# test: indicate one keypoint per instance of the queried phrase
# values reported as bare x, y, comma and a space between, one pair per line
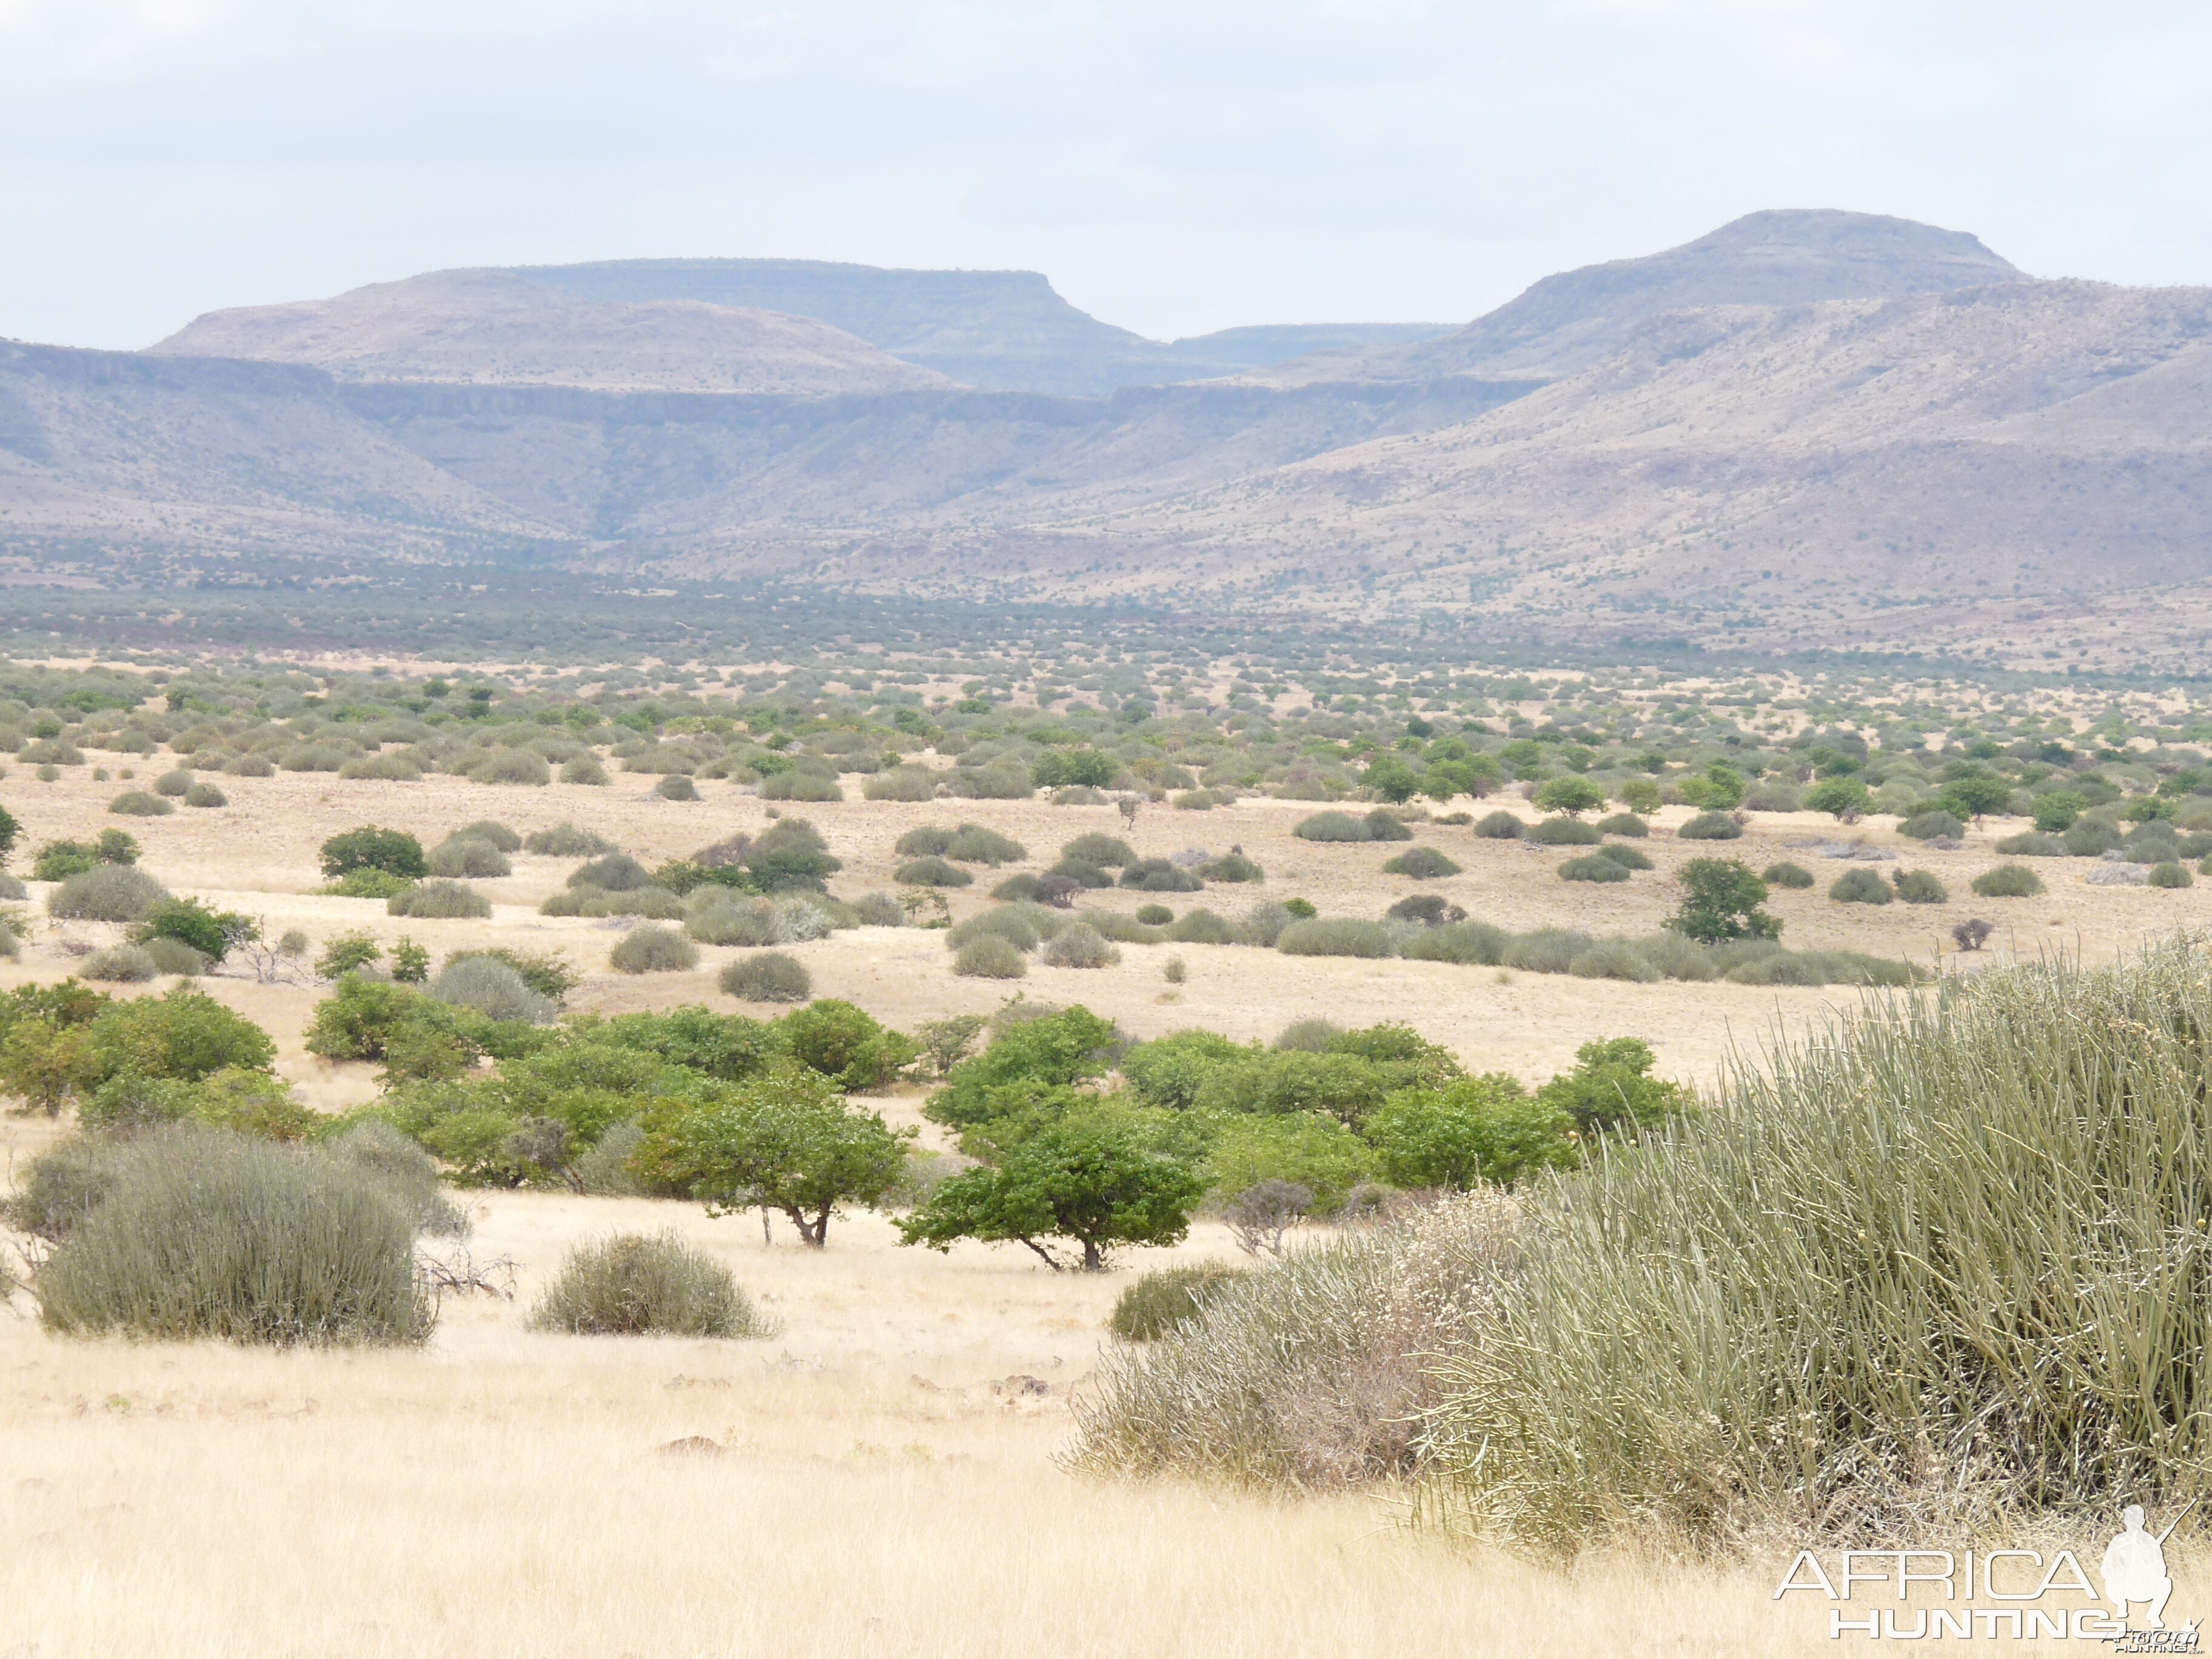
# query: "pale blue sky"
1173, 167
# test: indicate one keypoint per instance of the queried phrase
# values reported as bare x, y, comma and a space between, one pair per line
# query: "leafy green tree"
186, 1034
785, 1141
1059, 769
213, 933
2056, 811
1302, 1148
392, 851
1168, 1072
1840, 798
1479, 1129
1057, 1052
1640, 796
1722, 789
1088, 1178
791, 856
10, 833
1471, 775
410, 963
1721, 900
1973, 795
847, 1044
1612, 1089
1391, 779
1570, 795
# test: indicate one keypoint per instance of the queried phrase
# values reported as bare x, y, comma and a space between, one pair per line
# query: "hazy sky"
1173, 167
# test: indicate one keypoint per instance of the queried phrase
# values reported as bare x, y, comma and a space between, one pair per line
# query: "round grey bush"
1421, 863
1332, 826
972, 843
1011, 922
1628, 858
1309, 1036
653, 949
382, 769
923, 840
615, 872
438, 899
1079, 946
1563, 832
674, 786
768, 976
796, 786
249, 766
901, 783
139, 803
2009, 881
1500, 825
932, 871
1202, 927
584, 769
1711, 826
10, 888
11, 946
879, 910
172, 783
988, 956
1921, 887
1613, 961
1786, 875
2172, 873
174, 956
564, 841
1326, 936
1934, 825
1546, 951
469, 857
634, 1285
491, 832
107, 892
493, 989
1781, 969
1596, 867
1625, 824
1860, 887
215, 1235
717, 915
518, 766
124, 964
205, 795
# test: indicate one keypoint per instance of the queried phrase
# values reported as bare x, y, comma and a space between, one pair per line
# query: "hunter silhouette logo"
2004, 1594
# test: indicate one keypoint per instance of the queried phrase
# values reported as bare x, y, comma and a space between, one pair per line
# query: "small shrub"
140, 804
1022, 888
1163, 1301
1786, 875
1385, 825
126, 964
612, 872
901, 783
1081, 874
1232, 867
1173, 971
1628, 858
769, 976
783, 785
585, 769
1308, 1037
1015, 924
716, 915
439, 899
990, 956
1470, 944
369, 848
1155, 915
923, 841
1427, 910
2033, 844
174, 956
1972, 934
1421, 863
1711, 826
107, 892
1860, 886
674, 786
1613, 961
566, 841
1625, 825
651, 949
879, 910
493, 988
1078, 946
172, 783
470, 857
1548, 950
1935, 824
249, 766
1202, 927
1500, 825
973, 844
1108, 852
2172, 873
634, 1285
2090, 838
205, 795
1596, 867
1337, 937
1562, 832
1161, 876
1780, 969
1920, 887
932, 871
369, 884
1332, 826
2009, 881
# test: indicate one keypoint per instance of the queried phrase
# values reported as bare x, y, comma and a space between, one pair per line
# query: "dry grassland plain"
881, 1477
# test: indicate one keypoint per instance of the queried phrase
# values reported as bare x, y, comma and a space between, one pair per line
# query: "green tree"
1570, 795
1612, 1089
213, 933
1059, 1051
1088, 1178
186, 1034
1059, 769
1721, 900
392, 851
847, 1044
1479, 1129
791, 855
10, 833
1722, 789
1470, 774
1391, 779
1304, 1148
785, 1141
2055, 811
1972, 794
1640, 796
1840, 798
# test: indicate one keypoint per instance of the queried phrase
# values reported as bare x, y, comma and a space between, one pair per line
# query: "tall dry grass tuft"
1942, 1267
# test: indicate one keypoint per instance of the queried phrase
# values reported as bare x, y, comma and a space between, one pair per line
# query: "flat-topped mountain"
492, 328
1782, 258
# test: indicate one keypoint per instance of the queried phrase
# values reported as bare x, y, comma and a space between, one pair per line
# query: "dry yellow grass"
505, 1492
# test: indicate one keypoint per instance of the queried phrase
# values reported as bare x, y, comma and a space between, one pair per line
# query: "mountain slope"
1780, 258
487, 327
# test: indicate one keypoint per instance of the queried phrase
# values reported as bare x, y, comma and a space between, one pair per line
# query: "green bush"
1711, 826
565, 840
932, 871
1232, 867
1625, 825
791, 856
1860, 886
493, 988
971, 843
249, 766
1596, 867
1337, 937
368, 884
2090, 838
1628, 858
1500, 825
716, 915
2009, 881
1475, 944
768, 976
901, 783
988, 956
1787, 875
847, 1045
651, 950
439, 899
2033, 844
209, 1234
1168, 1298
467, 856
632, 1285
205, 795
1935, 824
1121, 929
2170, 874
612, 872
1920, 887
107, 892
1548, 950
585, 769
1108, 852
140, 804
63, 1185
1421, 863
1155, 915
1562, 832
1613, 961
1332, 826
1081, 874
125, 965
171, 956
392, 851
1161, 876
1079, 946
1200, 926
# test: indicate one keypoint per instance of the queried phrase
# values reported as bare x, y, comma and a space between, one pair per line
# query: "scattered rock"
2120, 875
1851, 849
1019, 1385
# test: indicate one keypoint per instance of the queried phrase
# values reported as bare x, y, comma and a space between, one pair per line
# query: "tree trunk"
1093, 1259
1049, 1260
